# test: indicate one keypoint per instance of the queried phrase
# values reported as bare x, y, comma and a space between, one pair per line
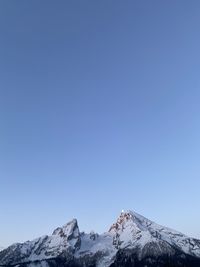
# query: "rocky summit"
132, 241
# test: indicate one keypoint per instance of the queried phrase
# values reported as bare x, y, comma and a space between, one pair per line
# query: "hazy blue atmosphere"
99, 111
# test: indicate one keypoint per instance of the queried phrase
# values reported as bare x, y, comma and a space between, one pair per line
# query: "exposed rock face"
132, 241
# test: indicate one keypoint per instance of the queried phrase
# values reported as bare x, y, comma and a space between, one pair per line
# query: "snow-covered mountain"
132, 241
1, 248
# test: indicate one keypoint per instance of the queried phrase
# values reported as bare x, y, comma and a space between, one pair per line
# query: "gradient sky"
99, 111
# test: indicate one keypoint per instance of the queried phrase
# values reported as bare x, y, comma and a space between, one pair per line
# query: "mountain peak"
127, 218
130, 232
69, 232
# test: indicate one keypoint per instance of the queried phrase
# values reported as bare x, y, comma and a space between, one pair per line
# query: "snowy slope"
132, 229
131, 232
66, 238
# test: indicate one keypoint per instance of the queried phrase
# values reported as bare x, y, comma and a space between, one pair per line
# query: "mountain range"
132, 241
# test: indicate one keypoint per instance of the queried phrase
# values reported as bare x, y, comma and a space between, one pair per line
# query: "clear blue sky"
99, 111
